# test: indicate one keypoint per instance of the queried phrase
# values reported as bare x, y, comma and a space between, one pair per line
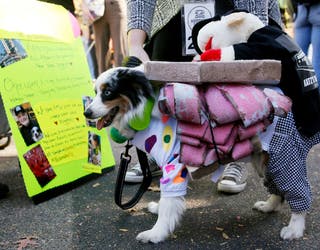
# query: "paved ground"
87, 218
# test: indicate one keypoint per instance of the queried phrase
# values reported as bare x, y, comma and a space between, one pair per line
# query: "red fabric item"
211, 55
208, 45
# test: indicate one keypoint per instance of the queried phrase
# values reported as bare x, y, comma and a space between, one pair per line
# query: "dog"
121, 94
36, 134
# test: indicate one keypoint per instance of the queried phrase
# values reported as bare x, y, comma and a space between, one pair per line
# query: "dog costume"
294, 136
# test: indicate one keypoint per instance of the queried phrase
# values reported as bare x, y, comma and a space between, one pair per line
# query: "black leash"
125, 159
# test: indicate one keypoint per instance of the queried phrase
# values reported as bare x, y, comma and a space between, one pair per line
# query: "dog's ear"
131, 78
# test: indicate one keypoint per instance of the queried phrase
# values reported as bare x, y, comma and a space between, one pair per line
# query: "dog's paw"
263, 206
290, 233
151, 236
295, 228
153, 207
272, 204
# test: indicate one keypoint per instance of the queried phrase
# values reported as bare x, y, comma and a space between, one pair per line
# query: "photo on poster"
27, 123
39, 165
11, 51
86, 100
94, 149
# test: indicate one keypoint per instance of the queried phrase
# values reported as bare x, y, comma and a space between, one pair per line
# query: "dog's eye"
107, 92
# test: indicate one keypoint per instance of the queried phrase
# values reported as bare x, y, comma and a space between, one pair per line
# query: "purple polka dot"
164, 180
150, 142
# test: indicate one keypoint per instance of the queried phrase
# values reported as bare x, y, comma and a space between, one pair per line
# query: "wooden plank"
241, 71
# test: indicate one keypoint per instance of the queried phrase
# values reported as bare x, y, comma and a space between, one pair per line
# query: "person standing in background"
151, 25
307, 30
109, 29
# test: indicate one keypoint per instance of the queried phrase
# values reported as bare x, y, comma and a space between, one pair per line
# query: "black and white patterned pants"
286, 173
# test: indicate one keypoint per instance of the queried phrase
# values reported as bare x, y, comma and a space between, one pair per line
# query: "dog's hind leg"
272, 204
296, 225
170, 211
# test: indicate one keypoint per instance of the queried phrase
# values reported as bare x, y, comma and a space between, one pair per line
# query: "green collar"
142, 122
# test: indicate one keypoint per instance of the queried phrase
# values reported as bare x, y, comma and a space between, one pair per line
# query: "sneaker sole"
231, 189
138, 179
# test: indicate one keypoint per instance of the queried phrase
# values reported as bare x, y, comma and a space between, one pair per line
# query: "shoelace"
233, 171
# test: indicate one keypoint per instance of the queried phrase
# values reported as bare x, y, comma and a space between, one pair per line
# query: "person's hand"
136, 39
139, 52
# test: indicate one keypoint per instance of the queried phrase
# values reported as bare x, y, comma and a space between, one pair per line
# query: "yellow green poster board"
45, 85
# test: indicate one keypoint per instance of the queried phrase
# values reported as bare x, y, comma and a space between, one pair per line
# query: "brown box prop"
240, 71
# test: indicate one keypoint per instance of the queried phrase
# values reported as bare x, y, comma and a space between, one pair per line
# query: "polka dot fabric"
286, 173
160, 141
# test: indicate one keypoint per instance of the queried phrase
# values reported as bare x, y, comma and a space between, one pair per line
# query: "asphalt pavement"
86, 217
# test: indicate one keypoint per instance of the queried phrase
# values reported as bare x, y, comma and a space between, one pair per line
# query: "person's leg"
101, 36
302, 29
314, 19
117, 21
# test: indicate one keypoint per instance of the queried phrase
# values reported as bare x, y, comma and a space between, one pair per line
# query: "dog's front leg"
295, 228
170, 211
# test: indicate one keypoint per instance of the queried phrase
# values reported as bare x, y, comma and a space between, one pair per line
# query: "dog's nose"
87, 113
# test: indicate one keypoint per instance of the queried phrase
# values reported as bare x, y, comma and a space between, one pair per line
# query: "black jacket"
298, 79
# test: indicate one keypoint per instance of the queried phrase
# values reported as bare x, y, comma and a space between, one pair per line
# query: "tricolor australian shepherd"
121, 94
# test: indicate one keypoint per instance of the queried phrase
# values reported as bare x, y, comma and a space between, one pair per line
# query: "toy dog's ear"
195, 31
235, 19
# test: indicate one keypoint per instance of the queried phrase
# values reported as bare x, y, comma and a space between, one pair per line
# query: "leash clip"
125, 154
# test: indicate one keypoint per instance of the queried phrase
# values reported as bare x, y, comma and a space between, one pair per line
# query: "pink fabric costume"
236, 113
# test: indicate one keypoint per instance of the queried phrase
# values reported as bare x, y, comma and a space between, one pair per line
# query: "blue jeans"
307, 32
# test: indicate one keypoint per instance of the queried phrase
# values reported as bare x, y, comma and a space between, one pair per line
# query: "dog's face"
36, 133
121, 93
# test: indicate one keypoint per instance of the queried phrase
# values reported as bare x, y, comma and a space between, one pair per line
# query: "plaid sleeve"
140, 14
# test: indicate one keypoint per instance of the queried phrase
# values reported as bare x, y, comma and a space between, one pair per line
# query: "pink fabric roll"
245, 133
191, 129
190, 140
187, 103
281, 103
193, 156
220, 133
219, 108
241, 149
250, 102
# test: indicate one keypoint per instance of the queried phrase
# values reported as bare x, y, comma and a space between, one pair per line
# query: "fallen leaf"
174, 236
26, 241
225, 236
154, 188
132, 210
219, 228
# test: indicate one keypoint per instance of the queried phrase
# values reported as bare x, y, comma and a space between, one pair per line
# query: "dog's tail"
259, 158
132, 62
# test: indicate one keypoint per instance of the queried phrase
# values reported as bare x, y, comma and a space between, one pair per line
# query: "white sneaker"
135, 174
233, 179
